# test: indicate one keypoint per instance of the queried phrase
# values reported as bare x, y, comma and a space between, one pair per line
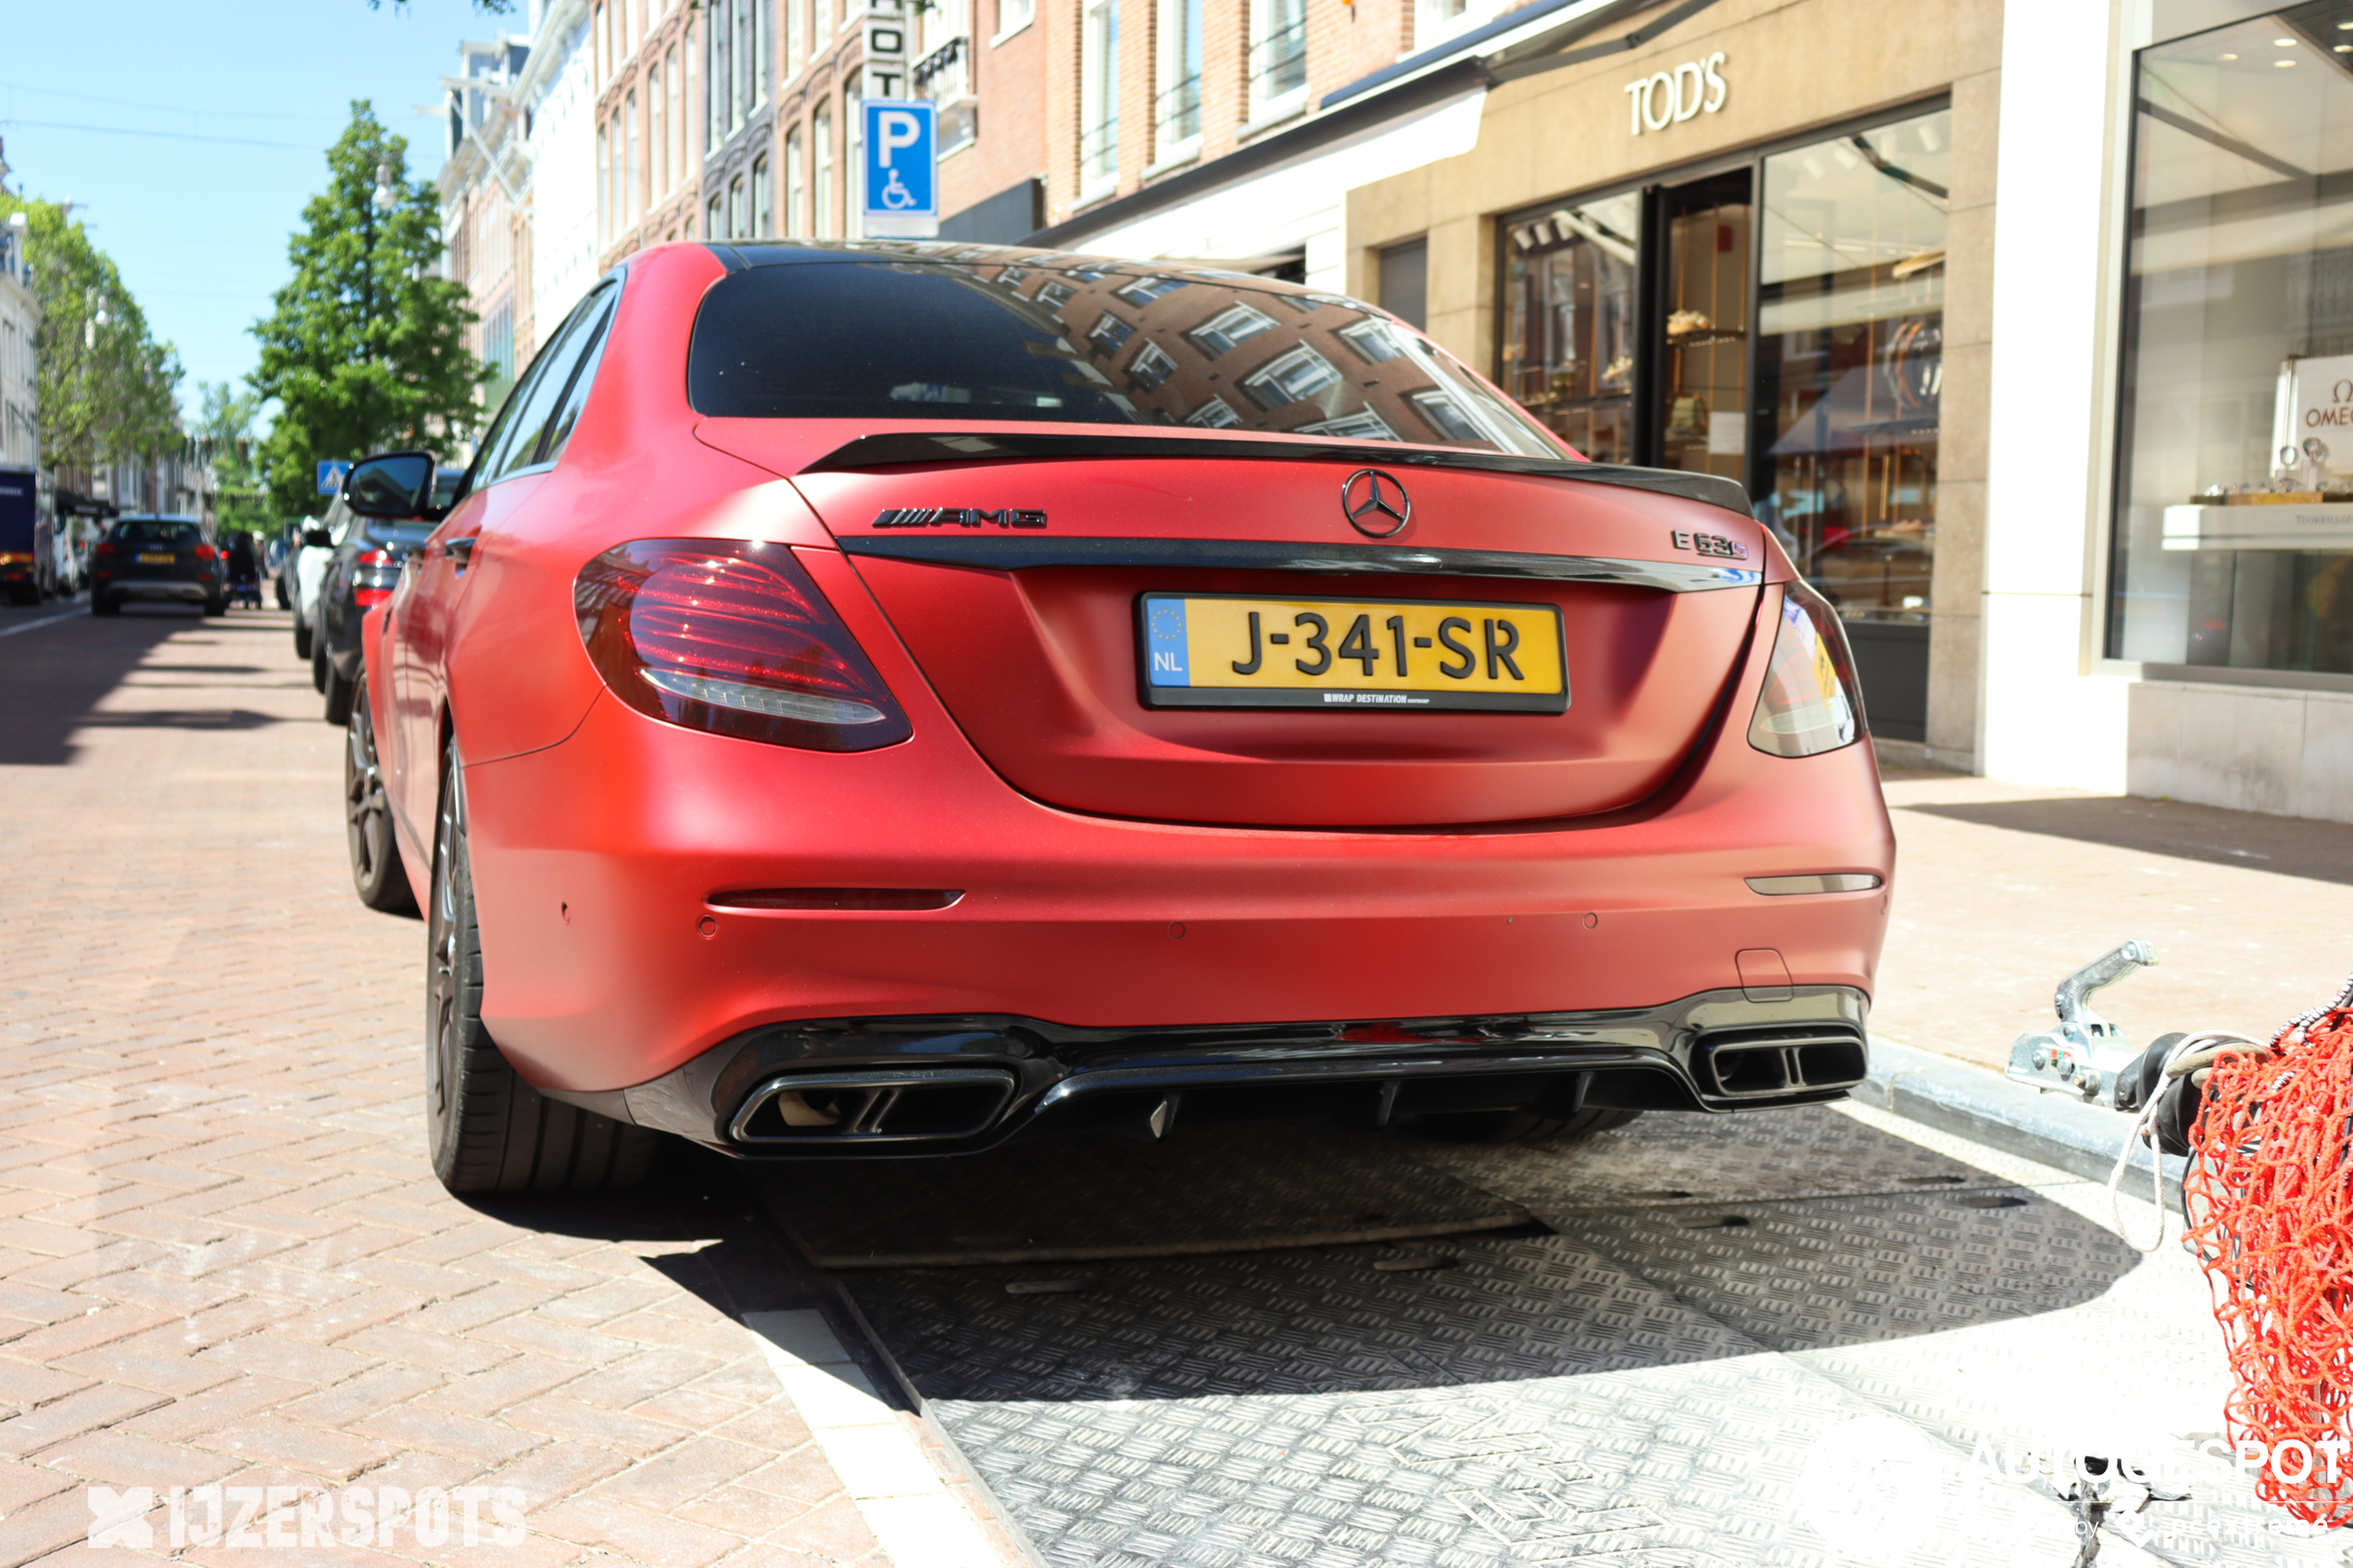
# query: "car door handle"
461, 550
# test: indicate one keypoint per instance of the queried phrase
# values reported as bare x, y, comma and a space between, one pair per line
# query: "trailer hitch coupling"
2084, 1055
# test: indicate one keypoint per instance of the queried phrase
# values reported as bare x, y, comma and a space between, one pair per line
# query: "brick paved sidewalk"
2002, 890
223, 1261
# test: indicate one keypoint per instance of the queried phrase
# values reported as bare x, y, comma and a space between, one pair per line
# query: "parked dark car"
157, 558
360, 575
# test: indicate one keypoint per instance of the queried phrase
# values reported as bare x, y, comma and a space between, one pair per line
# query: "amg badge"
1710, 544
957, 517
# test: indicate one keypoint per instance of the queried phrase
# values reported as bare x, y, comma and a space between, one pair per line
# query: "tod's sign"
1671, 97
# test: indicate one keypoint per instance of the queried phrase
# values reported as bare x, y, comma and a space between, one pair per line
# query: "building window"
1014, 15
853, 164
1176, 78
657, 135
2234, 544
1143, 291
1371, 340
1151, 367
1108, 334
715, 220
715, 79
633, 179
794, 222
604, 184
1445, 416
1278, 55
821, 14
1227, 328
1291, 378
1098, 98
821, 186
1362, 425
604, 44
738, 210
1215, 414
758, 55
1053, 294
796, 38
763, 218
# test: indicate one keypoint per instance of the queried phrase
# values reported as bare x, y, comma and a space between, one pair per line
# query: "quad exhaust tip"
888, 1105
1755, 1063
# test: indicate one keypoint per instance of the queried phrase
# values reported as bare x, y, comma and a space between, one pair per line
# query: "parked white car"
311, 559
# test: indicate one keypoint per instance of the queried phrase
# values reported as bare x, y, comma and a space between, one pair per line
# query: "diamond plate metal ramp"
1094, 1194
1638, 1391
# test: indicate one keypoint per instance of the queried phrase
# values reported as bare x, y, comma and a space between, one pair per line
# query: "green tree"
106, 387
225, 442
366, 347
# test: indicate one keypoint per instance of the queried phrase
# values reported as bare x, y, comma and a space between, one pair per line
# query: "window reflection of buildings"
1568, 354
1318, 364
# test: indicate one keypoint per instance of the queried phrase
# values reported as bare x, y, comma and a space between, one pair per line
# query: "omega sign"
1673, 97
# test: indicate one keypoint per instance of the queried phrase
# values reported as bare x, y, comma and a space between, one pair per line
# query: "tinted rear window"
158, 531
1104, 343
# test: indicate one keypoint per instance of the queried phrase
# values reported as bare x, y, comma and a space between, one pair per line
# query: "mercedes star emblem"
1376, 503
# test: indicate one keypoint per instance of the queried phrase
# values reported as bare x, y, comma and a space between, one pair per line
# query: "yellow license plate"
146, 560
1230, 650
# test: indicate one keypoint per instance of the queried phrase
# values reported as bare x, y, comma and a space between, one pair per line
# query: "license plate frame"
1340, 615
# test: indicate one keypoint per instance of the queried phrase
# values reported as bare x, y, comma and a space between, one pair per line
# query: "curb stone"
1977, 1103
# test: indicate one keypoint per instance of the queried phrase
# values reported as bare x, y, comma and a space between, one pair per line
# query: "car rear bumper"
613, 957
158, 589
852, 1087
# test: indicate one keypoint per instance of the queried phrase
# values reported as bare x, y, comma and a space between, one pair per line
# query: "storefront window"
1568, 347
1850, 332
1704, 384
2235, 521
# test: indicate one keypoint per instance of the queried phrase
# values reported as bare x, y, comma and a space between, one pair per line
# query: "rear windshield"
158, 531
1111, 342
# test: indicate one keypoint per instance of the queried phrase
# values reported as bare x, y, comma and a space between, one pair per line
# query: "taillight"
731, 637
364, 597
203, 551
1811, 702
105, 548
377, 557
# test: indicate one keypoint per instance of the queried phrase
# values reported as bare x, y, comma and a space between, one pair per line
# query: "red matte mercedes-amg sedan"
874, 698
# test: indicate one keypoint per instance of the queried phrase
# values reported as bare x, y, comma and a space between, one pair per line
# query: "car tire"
377, 873
215, 607
488, 1130
338, 690
318, 665
101, 605
302, 638
1522, 1126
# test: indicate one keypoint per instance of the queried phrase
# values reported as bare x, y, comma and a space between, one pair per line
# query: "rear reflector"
1828, 882
836, 899
731, 637
365, 598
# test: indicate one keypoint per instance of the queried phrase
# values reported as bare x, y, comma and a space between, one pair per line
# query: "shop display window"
2234, 541
1569, 341
1850, 358
1779, 322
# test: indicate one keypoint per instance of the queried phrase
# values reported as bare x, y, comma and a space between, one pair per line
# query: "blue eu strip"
1165, 640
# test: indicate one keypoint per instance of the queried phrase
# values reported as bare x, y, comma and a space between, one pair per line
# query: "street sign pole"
900, 164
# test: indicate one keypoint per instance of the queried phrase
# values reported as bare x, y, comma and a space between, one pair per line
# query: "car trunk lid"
1021, 572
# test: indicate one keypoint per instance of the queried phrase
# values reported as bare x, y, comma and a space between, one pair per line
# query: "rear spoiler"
905, 447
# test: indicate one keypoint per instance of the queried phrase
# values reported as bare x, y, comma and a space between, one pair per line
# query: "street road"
1791, 1338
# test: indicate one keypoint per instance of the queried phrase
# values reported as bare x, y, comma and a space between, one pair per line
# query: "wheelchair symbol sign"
901, 187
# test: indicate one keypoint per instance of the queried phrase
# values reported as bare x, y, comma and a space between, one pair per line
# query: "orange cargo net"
2269, 1193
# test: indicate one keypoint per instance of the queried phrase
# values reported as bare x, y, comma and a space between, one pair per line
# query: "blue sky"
196, 219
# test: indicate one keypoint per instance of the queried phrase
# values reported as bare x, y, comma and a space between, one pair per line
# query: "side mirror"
318, 539
393, 485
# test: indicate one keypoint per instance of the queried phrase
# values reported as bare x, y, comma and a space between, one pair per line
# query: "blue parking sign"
903, 184
331, 472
